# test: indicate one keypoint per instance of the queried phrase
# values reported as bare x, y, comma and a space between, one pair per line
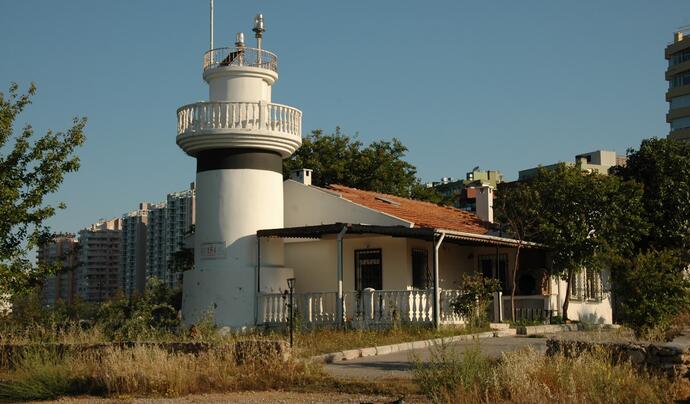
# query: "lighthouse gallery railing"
244, 56
248, 116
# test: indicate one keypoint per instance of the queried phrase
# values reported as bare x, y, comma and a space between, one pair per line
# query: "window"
368, 269
679, 57
421, 277
680, 123
586, 285
592, 285
679, 80
487, 266
680, 102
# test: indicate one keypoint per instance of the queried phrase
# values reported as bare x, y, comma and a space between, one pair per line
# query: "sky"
504, 85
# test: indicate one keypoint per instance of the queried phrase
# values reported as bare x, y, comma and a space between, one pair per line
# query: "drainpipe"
258, 280
339, 300
437, 295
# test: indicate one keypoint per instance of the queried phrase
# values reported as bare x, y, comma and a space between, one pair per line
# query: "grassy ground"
525, 376
530, 377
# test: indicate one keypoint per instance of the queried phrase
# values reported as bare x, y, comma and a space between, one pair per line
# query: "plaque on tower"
211, 251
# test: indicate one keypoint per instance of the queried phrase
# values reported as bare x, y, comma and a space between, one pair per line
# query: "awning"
422, 233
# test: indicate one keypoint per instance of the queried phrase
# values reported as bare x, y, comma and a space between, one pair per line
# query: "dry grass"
70, 333
147, 371
530, 377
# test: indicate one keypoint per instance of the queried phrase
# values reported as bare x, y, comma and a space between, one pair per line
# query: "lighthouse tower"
239, 139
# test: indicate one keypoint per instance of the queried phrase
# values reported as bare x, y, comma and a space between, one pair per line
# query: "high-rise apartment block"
97, 275
678, 76
61, 251
179, 224
156, 259
133, 262
168, 225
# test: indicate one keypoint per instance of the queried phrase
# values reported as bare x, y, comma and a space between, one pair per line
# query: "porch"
384, 275
385, 308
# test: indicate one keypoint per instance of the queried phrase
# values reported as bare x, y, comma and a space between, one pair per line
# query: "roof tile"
422, 214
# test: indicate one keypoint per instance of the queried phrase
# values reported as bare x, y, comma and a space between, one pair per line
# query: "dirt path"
253, 397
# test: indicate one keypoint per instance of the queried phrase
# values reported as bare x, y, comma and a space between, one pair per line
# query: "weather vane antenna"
211, 28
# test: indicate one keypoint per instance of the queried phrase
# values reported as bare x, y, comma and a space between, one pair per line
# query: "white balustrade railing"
368, 307
448, 315
246, 116
244, 56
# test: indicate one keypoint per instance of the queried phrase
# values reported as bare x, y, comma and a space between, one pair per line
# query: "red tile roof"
422, 214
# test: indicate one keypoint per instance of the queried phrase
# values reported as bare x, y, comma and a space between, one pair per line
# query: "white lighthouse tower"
239, 139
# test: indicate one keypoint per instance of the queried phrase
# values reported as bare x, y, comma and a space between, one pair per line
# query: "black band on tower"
228, 159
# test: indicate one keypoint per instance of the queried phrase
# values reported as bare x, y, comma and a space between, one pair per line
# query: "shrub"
448, 376
650, 290
474, 298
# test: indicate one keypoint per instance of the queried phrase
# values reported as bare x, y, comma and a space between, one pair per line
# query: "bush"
474, 299
650, 290
448, 376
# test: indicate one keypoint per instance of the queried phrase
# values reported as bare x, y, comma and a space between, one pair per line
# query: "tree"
584, 218
378, 167
30, 169
662, 166
518, 206
651, 288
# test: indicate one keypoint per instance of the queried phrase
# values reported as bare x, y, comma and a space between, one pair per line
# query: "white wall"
587, 311
309, 206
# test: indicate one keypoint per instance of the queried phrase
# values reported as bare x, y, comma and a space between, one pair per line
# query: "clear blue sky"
501, 84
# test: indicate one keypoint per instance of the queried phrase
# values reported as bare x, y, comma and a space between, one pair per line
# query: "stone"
264, 350
382, 350
350, 354
636, 357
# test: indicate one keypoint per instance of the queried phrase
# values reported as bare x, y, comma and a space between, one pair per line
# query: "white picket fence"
365, 308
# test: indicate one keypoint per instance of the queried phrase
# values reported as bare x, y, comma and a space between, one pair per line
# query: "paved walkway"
398, 364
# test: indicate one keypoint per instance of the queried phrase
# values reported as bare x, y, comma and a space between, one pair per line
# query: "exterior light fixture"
239, 39
258, 31
258, 24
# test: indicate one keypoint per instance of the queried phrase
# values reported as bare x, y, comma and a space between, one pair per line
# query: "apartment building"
133, 261
62, 252
179, 223
599, 161
156, 258
678, 76
97, 274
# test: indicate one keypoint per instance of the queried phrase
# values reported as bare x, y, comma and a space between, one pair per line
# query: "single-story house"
367, 257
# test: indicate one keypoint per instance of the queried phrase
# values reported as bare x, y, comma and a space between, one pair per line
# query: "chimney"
677, 36
485, 203
303, 176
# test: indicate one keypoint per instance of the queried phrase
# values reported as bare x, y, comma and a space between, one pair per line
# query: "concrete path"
398, 364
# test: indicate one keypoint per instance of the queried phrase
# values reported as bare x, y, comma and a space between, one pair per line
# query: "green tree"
653, 286
30, 169
650, 289
585, 218
340, 159
518, 207
662, 166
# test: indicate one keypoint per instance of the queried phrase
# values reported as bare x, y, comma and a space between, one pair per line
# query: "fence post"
368, 305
